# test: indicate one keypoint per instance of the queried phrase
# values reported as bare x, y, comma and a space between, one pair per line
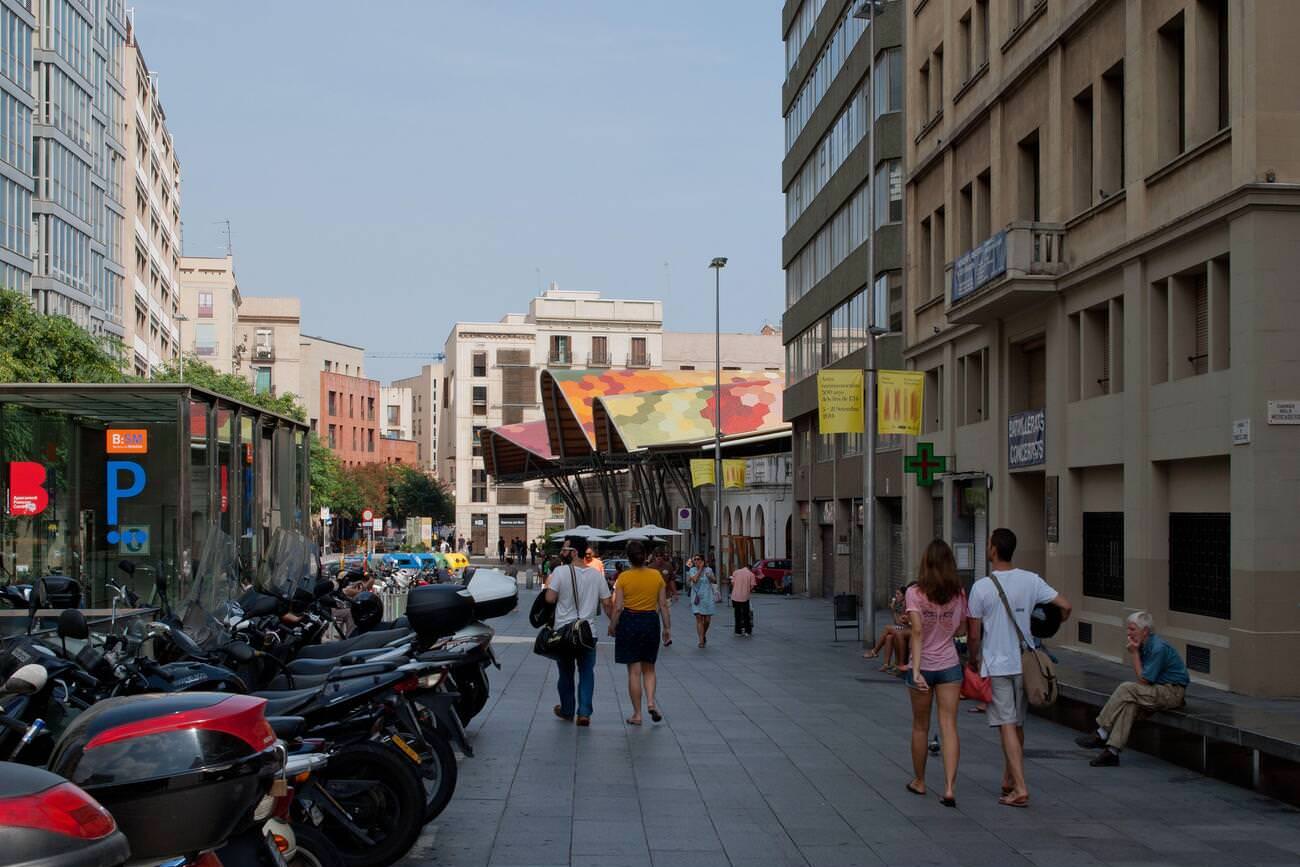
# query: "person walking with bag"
640, 598
578, 593
998, 621
704, 598
936, 611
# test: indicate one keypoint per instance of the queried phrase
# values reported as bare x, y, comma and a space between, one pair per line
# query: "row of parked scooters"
229, 731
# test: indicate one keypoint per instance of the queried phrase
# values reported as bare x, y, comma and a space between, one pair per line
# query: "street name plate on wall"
1284, 412
1027, 439
1241, 432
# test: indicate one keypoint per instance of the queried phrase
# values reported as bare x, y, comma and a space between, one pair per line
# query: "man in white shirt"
578, 593
994, 648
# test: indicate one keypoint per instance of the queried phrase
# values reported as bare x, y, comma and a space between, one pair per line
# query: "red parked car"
771, 575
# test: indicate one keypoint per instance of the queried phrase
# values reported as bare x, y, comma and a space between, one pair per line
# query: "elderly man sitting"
1161, 683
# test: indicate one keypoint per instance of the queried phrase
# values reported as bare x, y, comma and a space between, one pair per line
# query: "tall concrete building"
425, 388
1104, 199
491, 378
397, 404
268, 341
151, 250
210, 302
832, 79
78, 130
16, 24
318, 356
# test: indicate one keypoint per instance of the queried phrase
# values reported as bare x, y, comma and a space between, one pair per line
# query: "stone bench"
1253, 743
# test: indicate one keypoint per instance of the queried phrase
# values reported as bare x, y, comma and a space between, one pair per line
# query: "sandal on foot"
948, 802
1008, 801
655, 714
915, 791
870, 654
633, 722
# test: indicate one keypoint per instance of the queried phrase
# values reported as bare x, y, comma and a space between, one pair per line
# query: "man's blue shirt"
1161, 664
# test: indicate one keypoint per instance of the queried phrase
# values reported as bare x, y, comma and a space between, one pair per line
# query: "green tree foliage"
231, 385
40, 348
415, 494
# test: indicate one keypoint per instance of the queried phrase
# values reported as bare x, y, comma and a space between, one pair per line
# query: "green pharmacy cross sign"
925, 464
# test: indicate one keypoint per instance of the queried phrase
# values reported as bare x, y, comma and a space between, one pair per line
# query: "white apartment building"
397, 403
209, 304
425, 388
151, 250
491, 379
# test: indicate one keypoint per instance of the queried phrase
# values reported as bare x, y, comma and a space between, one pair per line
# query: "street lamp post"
868, 10
717, 265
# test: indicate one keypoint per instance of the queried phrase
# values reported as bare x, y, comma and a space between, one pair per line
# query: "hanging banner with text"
701, 472
733, 473
839, 401
900, 394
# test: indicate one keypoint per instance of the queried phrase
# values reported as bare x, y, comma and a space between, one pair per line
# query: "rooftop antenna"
668, 279
230, 240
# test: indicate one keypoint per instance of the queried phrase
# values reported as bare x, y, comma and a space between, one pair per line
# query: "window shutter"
1200, 363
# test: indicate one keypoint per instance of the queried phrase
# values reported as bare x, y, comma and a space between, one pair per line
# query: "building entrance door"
478, 533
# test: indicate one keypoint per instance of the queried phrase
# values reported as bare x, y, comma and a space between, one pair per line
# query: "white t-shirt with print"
999, 644
592, 588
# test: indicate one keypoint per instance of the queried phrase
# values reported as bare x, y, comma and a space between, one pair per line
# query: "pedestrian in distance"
501, 549
703, 602
578, 593
1161, 685
664, 564
936, 612
592, 561
993, 647
641, 617
742, 586
460, 543
893, 639
532, 553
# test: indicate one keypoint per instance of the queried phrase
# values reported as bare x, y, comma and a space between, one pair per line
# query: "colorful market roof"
568, 398
629, 422
516, 449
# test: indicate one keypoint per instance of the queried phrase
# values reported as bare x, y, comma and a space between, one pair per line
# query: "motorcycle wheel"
314, 849
438, 769
381, 794
471, 683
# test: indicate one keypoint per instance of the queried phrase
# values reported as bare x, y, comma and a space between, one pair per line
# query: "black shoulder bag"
570, 639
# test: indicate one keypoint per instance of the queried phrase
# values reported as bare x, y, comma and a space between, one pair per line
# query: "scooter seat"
361, 657
287, 728
451, 656
368, 641
303, 681
287, 702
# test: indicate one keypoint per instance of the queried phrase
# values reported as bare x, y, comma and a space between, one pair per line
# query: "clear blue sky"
404, 165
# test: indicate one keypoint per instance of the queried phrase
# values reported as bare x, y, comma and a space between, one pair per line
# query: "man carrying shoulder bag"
998, 631
578, 593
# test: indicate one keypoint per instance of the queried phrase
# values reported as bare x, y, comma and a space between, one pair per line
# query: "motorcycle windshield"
289, 565
215, 587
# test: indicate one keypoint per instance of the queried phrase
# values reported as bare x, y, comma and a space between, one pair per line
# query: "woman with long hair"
936, 609
703, 604
640, 597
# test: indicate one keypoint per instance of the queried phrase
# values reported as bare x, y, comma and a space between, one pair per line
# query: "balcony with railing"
262, 352
599, 358
559, 358
1014, 267
639, 360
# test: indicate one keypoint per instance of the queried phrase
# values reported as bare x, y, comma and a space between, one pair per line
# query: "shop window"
1103, 555
1200, 564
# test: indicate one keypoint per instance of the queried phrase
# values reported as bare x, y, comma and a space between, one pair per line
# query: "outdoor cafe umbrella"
582, 531
652, 530
636, 534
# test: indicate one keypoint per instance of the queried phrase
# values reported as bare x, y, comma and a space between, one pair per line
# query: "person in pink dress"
936, 610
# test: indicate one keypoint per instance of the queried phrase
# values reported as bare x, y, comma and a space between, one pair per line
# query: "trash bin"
846, 614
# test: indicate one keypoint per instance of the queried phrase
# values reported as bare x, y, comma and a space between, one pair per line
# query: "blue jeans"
586, 665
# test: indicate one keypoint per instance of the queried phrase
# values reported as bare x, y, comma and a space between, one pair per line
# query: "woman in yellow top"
639, 597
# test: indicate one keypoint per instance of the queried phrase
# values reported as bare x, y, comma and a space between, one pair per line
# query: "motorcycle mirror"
240, 652
72, 624
27, 680
126, 566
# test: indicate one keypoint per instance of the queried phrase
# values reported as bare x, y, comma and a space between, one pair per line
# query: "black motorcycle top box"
438, 610
180, 773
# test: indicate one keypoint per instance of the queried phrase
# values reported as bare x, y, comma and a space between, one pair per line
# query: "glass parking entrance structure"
96, 474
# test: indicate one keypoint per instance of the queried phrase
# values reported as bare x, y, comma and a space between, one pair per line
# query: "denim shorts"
951, 674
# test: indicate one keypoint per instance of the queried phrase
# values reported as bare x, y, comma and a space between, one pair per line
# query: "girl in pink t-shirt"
936, 610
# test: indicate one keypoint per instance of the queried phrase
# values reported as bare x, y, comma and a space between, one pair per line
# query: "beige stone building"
267, 347
210, 302
319, 355
151, 246
1104, 232
425, 388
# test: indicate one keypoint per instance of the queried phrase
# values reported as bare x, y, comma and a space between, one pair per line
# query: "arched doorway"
724, 556
760, 533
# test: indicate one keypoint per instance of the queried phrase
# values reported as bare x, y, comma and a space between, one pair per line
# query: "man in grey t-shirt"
578, 593
994, 647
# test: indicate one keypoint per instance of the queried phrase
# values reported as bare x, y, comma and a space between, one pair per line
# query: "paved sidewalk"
789, 749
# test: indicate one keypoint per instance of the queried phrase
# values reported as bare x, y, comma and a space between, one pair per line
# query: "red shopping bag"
975, 687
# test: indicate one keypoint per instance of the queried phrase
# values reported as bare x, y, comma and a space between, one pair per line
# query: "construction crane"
435, 356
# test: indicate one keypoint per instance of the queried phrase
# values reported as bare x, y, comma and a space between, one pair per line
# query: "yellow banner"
839, 401
900, 395
733, 473
701, 472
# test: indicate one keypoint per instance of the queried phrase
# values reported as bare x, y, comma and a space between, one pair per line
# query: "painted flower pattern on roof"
687, 414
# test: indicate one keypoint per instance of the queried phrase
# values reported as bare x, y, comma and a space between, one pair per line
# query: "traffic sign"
684, 515
367, 515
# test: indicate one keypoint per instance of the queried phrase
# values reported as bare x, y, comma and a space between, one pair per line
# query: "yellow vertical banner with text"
900, 396
839, 401
733, 473
701, 472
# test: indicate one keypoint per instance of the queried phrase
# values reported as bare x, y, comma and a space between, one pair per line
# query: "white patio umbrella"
653, 530
636, 534
582, 531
